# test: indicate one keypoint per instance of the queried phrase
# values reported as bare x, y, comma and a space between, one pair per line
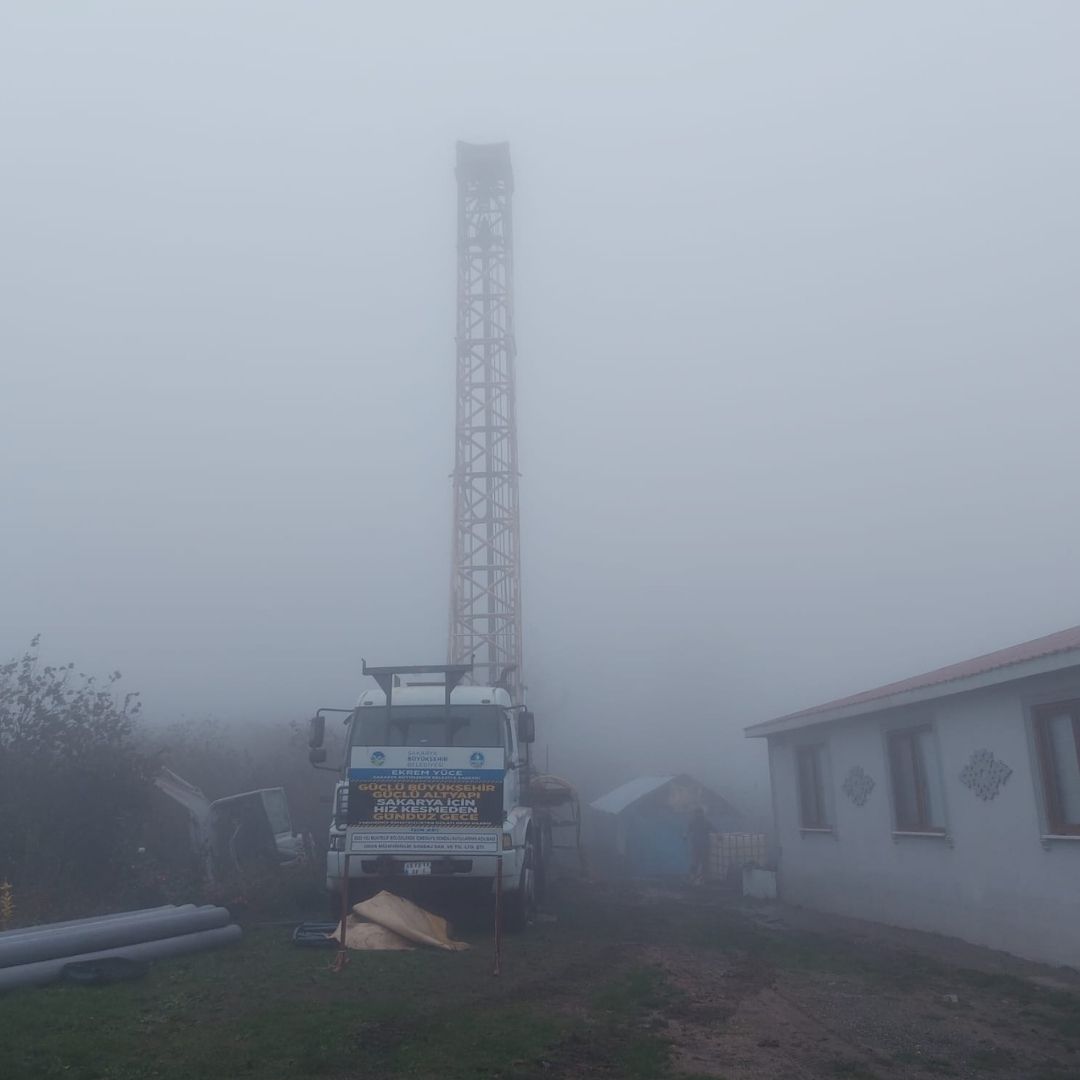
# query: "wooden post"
498, 914
342, 957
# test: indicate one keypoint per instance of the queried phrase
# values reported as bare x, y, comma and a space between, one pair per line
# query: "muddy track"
738, 1016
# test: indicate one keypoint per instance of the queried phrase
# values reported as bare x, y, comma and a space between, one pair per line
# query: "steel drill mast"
485, 595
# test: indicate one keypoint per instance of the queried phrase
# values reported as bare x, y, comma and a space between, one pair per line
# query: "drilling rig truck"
433, 792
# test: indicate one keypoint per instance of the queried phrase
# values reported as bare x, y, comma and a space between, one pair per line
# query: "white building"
948, 802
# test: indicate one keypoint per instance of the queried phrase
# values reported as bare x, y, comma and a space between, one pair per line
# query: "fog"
797, 350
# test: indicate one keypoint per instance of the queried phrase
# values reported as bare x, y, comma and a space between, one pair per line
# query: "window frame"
1051, 795
815, 753
910, 735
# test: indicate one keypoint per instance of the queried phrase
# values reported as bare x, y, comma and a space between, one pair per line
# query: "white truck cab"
433, 792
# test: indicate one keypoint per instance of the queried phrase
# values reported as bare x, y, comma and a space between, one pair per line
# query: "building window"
813, 807
916, 781
1057, 733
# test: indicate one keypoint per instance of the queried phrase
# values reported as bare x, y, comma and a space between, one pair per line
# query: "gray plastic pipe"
47, 971
113, 933
41, 928
49, 930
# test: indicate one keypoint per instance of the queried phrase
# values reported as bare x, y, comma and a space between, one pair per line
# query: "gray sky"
797, 330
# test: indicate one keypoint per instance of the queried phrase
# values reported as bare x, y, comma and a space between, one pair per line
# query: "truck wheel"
543, 856
521, 902
358, 890
333, 906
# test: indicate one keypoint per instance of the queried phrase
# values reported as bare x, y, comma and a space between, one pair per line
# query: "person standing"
699, 833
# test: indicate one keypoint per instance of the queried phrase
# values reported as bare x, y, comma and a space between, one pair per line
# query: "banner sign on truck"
440, 800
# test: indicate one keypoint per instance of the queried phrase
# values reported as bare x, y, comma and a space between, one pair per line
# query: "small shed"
643, 822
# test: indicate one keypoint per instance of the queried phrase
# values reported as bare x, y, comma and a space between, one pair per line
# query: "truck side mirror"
317, 732
526, 727
317, 755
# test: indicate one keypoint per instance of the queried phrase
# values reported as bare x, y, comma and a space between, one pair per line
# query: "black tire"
543, 860
520, 903
333, 906
359, 889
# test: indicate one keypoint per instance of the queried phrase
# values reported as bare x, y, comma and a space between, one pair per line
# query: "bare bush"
73, 787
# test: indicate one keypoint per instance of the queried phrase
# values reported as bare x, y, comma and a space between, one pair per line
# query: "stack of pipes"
38, 954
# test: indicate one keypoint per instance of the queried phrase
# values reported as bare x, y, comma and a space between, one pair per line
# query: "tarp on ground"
387, 921
365, 935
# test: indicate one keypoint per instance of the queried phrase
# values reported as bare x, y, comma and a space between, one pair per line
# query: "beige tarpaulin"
387, 921
365, 935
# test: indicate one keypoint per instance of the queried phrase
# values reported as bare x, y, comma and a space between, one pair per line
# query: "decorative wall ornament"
858, 785
984, 774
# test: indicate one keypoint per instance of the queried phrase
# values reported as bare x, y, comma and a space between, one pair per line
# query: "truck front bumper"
390, 867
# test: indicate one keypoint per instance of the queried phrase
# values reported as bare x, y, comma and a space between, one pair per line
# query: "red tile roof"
1062, 641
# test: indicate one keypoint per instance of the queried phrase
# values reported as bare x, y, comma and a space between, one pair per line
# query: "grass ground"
623, 984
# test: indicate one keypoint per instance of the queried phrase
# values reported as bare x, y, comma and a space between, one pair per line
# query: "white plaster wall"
992, 881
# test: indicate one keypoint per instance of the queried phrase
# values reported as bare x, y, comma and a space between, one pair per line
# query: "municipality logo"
378, 759
477, 760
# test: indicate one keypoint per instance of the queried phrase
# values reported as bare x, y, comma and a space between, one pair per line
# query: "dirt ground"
812, 995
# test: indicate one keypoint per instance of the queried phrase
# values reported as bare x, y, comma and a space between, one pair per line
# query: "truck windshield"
426, 725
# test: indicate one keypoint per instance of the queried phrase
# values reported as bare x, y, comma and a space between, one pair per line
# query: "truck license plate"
417, 869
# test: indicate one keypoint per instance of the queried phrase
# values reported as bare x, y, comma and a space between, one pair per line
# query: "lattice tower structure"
485, 599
